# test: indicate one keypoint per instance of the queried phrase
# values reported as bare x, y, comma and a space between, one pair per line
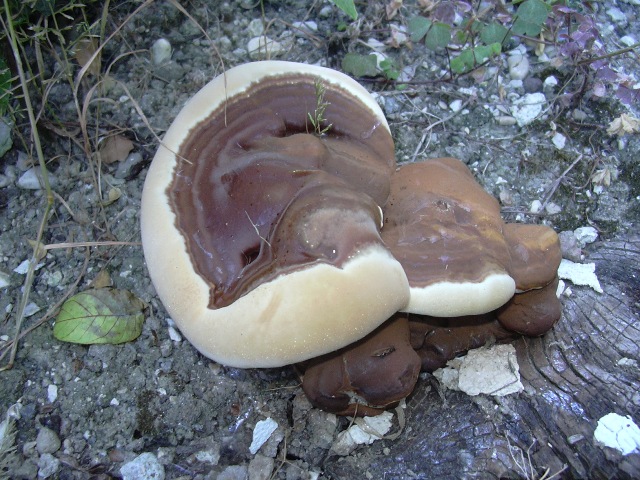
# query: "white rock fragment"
491, 371
585, 235
32, 179
255, 27
535, 207
618, 432
552, 208
52, 393
617, 15
160, 51
259, 47
456, 105
627, 362
302, 29
527, 108
628, 40
518, 66
549, 83
144, 467
364, 431
579, 274
261, 433
559, 140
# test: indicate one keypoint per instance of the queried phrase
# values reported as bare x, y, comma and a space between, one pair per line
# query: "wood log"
572, 377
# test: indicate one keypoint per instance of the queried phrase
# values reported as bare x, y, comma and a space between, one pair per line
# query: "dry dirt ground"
85, 411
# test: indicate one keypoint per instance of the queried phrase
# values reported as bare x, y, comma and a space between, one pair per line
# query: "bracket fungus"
277, 230
261, 236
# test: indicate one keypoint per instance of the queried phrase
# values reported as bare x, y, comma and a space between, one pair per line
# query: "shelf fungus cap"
260, 228
446, 231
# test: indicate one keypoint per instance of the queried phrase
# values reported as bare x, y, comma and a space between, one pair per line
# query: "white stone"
549, 83
535, 207
552, 208
518, 66
261, 433
527, 108
579, 274
52, 393
255, 27
456, 105
302, 29
364, 431
32, 179
617, 15
160, 51
585, 235
628, 40
618, 432
144, 467
559, 140
263, 47
491, 371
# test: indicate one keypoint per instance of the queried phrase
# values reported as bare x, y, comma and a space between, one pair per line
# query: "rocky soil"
156, 404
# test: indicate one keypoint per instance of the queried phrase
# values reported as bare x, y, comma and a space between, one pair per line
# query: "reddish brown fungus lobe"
259, 193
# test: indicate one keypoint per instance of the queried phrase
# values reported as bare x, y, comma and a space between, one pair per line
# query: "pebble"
569, 246
260, 467
160, 51
47, 441
126, 166
234, 472
255, 27
585, 235
550, 83
506, 120
256, 47
144, 467
532, 84
52, 393
628, 40
32, 179
617, 15
456, 105
527, 108
302, 29
559, 140
518, 66
552, 208
536, 206
48, 466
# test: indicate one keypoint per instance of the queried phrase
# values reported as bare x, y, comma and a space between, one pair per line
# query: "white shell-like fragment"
579, 274
261, 433
364, 432
618, 432
490, 371
528, 108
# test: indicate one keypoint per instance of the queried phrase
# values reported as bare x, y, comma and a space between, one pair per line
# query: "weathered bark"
571, 377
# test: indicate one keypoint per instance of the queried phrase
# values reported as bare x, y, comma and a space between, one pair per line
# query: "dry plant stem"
26, 290
558, 181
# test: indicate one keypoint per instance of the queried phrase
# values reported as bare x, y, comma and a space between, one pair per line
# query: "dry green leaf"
102, 315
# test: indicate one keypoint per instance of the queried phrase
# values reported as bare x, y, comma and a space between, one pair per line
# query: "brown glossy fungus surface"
446, 231
261, 235
367, 376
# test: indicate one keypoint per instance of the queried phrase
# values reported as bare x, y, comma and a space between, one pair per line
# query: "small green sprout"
317, 118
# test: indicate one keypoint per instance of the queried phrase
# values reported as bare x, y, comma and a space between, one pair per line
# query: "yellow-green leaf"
103, 315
